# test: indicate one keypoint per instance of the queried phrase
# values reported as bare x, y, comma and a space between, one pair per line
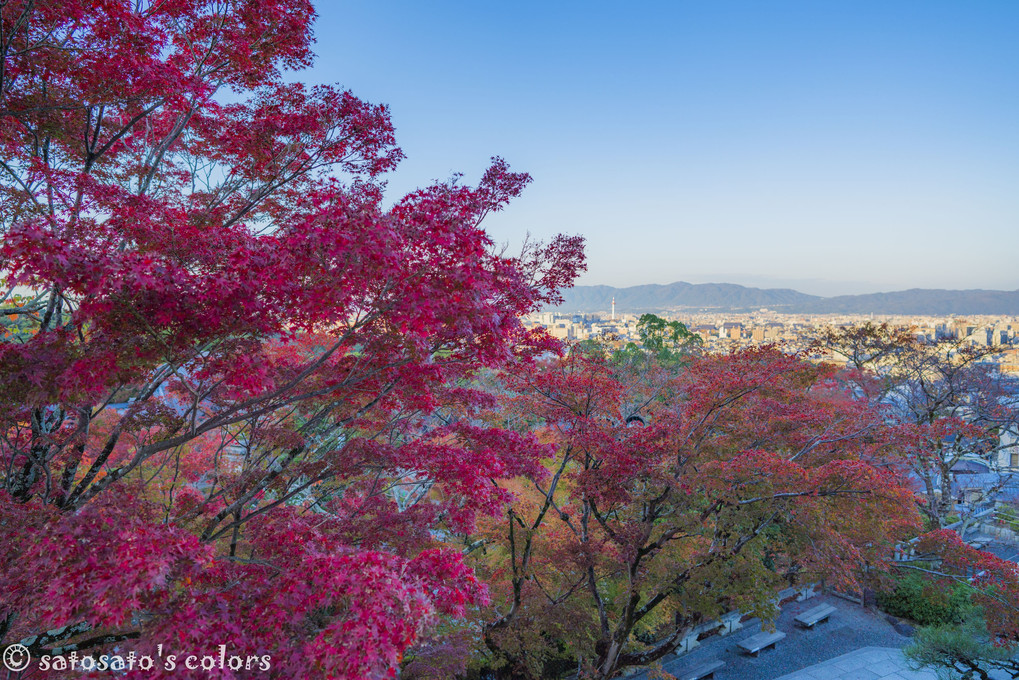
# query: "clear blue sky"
834, 147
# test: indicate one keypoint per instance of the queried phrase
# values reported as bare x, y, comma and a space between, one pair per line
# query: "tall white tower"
613, 307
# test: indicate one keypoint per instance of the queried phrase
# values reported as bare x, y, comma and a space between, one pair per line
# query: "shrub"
924, 602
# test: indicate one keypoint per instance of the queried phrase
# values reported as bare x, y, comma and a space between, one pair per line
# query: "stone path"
868, 663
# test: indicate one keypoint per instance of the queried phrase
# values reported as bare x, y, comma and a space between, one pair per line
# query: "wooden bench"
819, 613
700, 671
756, 643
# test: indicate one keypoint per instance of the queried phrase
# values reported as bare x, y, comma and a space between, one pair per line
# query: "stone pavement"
850, 629
867, 663
854, 644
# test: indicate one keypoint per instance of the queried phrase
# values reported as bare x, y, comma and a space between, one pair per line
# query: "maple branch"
36, 642
798, 494
97, 641
93, 156
664, 648
236, 506
229, 416
7, 623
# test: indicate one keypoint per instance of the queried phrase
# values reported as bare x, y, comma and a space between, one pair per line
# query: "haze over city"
834, 149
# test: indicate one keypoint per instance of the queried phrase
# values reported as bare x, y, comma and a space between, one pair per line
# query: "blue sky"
832, 147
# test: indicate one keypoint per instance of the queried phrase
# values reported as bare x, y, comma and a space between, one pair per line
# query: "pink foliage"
234, 356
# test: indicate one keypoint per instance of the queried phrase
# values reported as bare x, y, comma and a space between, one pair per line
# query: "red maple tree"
224, 356
746, 472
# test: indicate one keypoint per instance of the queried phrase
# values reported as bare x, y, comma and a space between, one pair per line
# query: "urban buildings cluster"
724, 330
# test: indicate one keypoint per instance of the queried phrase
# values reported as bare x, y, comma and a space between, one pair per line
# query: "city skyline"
837, 149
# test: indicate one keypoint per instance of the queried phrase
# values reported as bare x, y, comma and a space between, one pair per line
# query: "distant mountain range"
731, 297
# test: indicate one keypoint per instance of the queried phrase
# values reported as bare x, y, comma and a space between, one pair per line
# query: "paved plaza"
868, 663
853, 644
846, 647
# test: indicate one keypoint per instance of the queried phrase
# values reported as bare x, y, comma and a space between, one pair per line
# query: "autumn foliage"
939, 394
224, 352
248, 400
745, 473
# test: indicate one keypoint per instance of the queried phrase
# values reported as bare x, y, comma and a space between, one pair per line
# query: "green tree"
963, 650
671, 343
658, 335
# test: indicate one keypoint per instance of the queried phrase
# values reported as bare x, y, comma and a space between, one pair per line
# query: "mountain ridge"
734, 297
